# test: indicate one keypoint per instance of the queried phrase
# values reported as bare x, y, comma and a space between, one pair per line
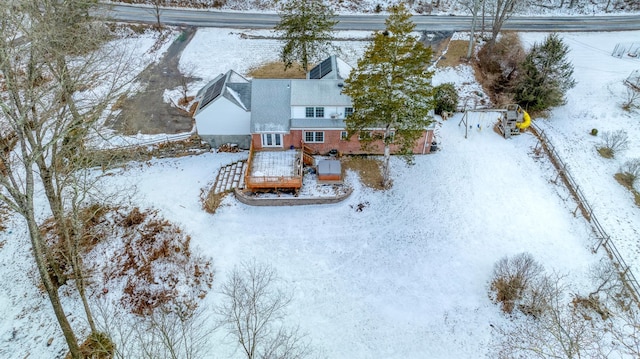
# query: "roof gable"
231, 86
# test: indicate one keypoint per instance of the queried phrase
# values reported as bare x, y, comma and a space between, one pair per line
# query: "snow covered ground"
595, 102
406, 276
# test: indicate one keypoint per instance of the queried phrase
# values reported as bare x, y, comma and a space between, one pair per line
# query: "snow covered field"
406, 277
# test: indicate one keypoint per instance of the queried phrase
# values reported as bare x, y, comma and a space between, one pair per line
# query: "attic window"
348, 111
311, 112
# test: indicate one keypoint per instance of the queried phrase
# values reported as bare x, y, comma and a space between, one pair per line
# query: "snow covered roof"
323, 92
270, 105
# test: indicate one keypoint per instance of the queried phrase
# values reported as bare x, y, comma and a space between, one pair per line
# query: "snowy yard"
406, 276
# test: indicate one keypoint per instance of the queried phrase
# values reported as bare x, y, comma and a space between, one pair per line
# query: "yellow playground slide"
526, 123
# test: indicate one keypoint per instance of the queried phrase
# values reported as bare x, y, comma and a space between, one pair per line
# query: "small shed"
329, 170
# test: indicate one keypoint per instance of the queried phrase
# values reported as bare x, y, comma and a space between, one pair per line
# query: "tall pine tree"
306, 29
545, 75
391, 87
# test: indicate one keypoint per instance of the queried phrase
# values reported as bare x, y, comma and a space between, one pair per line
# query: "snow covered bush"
445, 98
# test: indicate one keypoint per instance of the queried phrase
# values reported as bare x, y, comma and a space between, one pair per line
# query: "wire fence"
604, 240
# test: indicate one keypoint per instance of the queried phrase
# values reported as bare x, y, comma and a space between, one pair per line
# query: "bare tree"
187, 75
474, 7
253, 313
501, 10
559, 331
47, 104
171, 331
156, 8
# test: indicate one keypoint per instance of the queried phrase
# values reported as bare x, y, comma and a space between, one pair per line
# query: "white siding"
300, 111
223, 117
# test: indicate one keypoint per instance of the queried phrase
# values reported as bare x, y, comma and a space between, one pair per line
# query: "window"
348, 111
314, 136
271, 140
364, 135
310, 112
344, 135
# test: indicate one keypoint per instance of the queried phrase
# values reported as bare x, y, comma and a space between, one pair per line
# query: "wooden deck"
274, 170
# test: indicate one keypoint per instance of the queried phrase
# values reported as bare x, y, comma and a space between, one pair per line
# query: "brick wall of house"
332, 140
287, 141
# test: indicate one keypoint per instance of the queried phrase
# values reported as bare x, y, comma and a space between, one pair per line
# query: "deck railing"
252, 182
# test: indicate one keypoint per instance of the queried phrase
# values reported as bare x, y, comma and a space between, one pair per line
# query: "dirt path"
146, 112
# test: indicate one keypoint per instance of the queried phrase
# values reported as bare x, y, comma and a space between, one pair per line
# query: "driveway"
146, 112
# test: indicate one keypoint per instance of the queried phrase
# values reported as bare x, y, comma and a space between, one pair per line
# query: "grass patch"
275, 70
455, 55
212, 200
120, 102
4, 217
627, 182
368, 168
605, 152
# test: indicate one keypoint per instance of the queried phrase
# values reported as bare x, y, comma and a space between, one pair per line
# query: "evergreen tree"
545, 75
391, 87
445, 98
306, 29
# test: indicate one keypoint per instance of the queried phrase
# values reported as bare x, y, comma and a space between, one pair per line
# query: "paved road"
202, 18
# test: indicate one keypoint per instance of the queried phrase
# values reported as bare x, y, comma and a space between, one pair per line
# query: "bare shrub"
613, 142
157, 264
212, 200
498, 64
512, 278
631, 100
97, 346
134, 218
629, 172
558, 332
253, 312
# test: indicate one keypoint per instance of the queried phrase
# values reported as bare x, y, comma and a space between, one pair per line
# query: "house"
223, 113
286, 113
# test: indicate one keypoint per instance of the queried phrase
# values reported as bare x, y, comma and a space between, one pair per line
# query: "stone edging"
292, 201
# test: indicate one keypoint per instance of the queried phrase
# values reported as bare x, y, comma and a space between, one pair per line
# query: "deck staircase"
230, 177
307, 156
